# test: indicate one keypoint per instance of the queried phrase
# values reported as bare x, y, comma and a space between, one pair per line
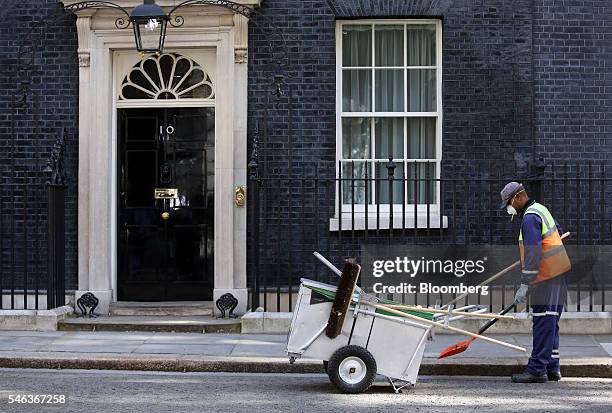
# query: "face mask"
510, 209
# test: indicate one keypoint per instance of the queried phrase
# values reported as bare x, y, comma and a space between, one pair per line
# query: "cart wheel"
352, 369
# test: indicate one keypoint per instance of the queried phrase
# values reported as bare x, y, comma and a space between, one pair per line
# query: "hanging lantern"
149, 22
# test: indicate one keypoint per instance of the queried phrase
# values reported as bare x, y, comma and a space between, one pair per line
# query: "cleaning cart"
359, 336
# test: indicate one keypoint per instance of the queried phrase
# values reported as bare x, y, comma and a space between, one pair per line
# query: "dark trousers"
547, 301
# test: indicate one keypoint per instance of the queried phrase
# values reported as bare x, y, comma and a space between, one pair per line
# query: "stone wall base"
33, 320
259, 322
571, 323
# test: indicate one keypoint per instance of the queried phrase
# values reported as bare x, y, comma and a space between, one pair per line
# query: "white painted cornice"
195, 16
129, 4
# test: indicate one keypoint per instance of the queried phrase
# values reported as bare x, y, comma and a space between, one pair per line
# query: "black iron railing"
411, 204
32, 234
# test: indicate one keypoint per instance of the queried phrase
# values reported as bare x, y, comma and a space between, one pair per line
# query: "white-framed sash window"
388, 105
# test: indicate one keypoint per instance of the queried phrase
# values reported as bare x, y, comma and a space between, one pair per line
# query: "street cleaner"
544, 261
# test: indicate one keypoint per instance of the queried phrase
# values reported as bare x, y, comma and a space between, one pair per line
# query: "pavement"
581, 355
162, 392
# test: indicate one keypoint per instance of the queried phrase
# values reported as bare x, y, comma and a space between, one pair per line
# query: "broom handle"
456, 330
439, 311
488, 280
496, 276
491, 322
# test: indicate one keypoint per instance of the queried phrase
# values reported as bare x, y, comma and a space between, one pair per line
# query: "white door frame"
98, 40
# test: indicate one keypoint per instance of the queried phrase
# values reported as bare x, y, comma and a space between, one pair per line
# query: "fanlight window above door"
167, 77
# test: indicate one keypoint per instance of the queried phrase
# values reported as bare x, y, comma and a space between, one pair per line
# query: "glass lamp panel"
356, 45
421, 45
389, 45
150, 34
389, 89
356, 137
421, 90
356, 90
389, 133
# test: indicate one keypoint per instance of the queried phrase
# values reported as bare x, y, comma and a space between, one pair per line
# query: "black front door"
165, 204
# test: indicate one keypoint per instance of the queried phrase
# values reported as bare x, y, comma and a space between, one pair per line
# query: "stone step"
179, 324
166, 308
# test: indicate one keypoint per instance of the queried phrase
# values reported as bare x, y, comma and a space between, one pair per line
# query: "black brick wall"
504, 61
487, 75
497, 55
573, 88
27, 134
522, 80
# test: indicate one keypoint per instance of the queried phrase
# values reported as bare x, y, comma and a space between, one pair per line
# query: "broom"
462, 346
342, 300
344, 295
496, 276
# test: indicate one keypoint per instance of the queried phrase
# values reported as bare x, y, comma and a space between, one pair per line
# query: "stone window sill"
435, 222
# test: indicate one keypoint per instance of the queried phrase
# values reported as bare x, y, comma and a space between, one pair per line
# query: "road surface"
129, 391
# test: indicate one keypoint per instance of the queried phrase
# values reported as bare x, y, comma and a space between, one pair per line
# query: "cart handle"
327, 263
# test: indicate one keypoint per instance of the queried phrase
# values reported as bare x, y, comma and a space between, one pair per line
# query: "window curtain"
389, 138
353, 183
383, 189
421, 181
389, 56
356, 140
421, 51
421, 138
389, 51
389, 90
421, 45
357, 46
357, 83
389, 141
421, 145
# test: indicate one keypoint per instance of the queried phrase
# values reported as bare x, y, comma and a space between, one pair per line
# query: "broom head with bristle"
342, 300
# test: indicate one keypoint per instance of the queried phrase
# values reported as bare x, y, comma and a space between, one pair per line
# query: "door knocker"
165, 175
240, 196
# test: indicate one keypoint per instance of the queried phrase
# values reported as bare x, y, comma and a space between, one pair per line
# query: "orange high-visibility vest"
554, 260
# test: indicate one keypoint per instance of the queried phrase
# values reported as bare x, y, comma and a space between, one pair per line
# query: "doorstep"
183, 324
161, 308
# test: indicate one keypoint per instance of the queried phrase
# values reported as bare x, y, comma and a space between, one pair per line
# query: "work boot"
554, 376
527, 377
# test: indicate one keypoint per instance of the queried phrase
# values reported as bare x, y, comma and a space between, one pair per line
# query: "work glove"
521, 294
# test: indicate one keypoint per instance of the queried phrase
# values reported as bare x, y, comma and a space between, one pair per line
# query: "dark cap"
509, 191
